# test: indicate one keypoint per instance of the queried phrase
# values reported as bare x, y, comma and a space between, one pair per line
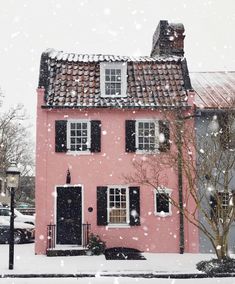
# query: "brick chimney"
168, 39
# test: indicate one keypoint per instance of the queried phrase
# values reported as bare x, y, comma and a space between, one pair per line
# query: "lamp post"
13, 176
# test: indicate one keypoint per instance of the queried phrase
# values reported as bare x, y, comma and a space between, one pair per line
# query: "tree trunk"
221, 244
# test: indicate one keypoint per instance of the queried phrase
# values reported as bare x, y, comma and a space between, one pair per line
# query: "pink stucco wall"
156, 234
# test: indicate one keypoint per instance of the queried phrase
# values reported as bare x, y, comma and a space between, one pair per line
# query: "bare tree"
15, 141
205, 165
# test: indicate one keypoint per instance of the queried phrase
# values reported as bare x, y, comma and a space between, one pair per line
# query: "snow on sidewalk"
26, 262
116, 280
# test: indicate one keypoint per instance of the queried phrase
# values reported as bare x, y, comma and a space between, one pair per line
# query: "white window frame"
119, 225
88, 135
138, 151
162, 190
113, 65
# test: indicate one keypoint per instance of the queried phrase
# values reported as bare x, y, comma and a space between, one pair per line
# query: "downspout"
179, 130
180, 182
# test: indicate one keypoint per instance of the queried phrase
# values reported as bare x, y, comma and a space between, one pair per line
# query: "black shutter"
134, 200
102, 206
95, 136
165, 130
61, 136
130, 136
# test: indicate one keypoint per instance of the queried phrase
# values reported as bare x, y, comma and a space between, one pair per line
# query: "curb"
136, 275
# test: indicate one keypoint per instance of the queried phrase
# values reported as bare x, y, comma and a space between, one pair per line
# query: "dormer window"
113, 79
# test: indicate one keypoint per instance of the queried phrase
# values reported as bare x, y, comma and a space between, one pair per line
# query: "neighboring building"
215, 99
95, 114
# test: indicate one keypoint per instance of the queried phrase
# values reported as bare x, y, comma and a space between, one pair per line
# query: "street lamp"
13, 176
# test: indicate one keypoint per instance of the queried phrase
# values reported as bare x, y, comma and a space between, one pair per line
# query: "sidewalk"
27, 263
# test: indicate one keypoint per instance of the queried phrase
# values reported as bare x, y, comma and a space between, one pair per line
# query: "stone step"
66, 252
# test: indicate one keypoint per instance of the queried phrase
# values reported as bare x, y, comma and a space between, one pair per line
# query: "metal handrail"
51, 235
85, 234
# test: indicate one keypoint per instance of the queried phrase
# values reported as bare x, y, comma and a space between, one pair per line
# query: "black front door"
69, 215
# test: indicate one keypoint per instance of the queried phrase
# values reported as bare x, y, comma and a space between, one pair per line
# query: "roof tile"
74, 80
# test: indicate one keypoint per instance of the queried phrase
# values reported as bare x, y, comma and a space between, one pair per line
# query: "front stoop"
66, 252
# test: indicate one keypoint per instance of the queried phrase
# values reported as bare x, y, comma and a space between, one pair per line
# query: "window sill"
163, 214
142, 152
113, 96
118, 226
78, 153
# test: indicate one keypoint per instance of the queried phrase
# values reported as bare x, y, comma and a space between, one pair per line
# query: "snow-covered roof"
73, 80
214, 89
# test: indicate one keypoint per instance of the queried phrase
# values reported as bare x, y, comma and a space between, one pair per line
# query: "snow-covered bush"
95, 245
214, 266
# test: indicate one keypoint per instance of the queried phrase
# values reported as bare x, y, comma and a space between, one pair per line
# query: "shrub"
95, 245
214, 266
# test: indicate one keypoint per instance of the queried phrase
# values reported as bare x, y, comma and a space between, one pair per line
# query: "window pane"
113, 78
146, 140
146, 133
162, 202
72, 148
152, 147
146, 147
84, 147
146, 136
79, 136
72, 125
151, 140
117, 205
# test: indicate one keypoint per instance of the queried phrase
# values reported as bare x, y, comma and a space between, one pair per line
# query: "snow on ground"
116, 280
26, 262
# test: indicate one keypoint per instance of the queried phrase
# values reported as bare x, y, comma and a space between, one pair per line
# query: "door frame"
55, 210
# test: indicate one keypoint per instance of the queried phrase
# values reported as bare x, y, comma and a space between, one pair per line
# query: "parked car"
23, 232
5, 213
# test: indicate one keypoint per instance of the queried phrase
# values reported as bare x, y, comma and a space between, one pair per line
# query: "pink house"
95, 114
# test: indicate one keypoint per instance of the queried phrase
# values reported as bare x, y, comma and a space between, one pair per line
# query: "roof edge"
110, 107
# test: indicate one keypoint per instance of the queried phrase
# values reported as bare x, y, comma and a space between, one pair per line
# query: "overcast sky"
122, 27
